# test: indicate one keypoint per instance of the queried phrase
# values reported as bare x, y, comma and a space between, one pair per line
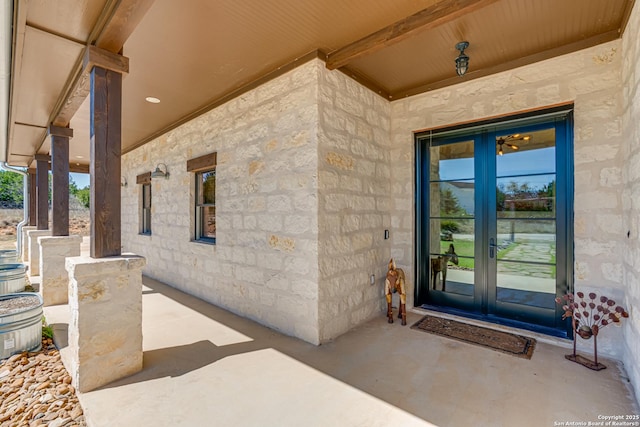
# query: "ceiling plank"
431, 17
233, 93
519, 62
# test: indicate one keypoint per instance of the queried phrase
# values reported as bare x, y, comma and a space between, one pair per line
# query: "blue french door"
493, 220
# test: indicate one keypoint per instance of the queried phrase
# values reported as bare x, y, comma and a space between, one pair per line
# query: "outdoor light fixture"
123, 181
159, 173
462, 61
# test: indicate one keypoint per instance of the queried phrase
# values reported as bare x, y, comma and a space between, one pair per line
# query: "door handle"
492, 246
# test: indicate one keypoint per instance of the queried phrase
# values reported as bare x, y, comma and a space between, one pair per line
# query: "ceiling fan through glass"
508, 142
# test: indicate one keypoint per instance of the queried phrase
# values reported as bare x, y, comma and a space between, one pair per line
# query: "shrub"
450, 226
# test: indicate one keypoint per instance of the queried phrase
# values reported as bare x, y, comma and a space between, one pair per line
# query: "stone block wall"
591, 79
631, 194
354, 202
313, 167
264, 265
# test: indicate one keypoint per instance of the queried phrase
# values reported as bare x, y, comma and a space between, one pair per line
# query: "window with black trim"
204, 169
145, 202
206, 205
145, 225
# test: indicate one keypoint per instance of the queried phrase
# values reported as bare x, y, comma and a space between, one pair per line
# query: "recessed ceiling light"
79, 157
152, 100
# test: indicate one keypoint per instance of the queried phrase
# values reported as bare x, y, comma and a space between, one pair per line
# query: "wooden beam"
78, 168
93, 57
60, 185
203, 162
111, 32
32, 197
106, 128
96, 57
60, 131
74, 99
123, 21
438, 14
75, 168
42, 194
143, 178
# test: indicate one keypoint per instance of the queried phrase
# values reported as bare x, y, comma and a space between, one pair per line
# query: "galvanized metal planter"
8, 256
12, 278
20, 323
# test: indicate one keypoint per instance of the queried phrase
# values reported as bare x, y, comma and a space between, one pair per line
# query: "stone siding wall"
264, 263
312, 168
631, 194
354, 202
591, 79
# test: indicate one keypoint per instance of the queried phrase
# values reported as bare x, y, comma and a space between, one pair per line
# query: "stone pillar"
105, 330
34, 250
25, 242
54, 278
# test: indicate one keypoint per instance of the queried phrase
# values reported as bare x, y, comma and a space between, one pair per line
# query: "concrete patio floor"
204, 366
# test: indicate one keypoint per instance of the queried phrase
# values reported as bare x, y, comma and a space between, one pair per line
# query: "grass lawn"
464, 249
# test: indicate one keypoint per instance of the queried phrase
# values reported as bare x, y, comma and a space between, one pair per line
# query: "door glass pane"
452, 161
452, 218
526, 213
530, 196
452, 199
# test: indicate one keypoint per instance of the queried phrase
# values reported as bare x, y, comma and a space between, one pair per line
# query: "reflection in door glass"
526, 218
452, 218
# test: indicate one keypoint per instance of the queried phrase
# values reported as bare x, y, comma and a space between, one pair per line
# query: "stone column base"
105, 331
34, 250
25, 242
54, 278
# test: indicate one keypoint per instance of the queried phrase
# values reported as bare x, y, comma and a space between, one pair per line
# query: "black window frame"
145, 211
200, 206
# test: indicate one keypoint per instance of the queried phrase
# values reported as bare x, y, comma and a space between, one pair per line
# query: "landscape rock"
35, 390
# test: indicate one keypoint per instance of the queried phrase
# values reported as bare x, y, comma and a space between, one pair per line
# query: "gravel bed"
13, 305
36, 390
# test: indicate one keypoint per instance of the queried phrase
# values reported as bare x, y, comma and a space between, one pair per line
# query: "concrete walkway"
204, 366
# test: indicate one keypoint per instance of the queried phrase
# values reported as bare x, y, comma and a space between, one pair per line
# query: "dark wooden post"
42, 191
32, 197
60, 185
106, 123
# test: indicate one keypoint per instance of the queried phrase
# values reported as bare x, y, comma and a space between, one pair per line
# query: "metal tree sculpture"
588, 318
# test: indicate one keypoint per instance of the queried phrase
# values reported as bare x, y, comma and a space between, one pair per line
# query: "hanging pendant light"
462, 61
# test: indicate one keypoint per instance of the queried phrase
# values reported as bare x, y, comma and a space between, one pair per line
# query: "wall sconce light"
462, 61
123, 181
159, 173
